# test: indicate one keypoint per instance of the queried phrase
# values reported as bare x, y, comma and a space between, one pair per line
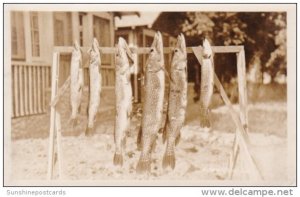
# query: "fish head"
207, 51
179, 54
76, 53
95, 53
122, 56
156, 54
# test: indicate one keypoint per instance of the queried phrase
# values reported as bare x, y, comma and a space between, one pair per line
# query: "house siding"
31, 76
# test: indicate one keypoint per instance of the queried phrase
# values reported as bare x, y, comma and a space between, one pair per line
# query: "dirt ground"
201, 154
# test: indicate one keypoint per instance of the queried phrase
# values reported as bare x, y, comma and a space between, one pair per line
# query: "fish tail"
73, 122
204, 119
169, 160
89, 132
153, 143
139, 139
143, 166
118, 159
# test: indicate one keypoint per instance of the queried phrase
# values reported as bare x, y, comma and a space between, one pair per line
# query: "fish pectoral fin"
129, 112
79, 108
79, 88
139, 139
118, 159
178, 137
87, 110
164, 130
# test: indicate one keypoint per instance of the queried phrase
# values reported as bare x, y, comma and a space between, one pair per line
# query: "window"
81, 15
62, 29
58, 33
103, 35
35, 37
17, 35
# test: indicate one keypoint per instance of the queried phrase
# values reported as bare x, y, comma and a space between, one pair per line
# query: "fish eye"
151, 50
176, 50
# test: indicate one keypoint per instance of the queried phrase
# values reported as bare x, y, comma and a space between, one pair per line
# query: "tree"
262, 33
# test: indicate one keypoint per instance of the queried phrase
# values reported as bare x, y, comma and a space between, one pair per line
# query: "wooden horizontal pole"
243, 140
103, 67
17, 63
145, 50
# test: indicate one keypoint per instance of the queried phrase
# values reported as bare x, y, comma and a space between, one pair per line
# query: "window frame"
20, 36
39, 57
107, 60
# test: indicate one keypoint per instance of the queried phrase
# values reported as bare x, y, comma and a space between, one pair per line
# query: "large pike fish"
177, 101
207, 84
94, 86
76, 83
123, 92
153, 104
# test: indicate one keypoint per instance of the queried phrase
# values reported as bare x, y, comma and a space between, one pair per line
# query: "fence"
29, 82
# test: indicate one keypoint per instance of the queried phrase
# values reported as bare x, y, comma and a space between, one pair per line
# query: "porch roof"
143, 19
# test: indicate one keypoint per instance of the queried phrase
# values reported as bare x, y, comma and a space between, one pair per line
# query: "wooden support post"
58, 143
241, 137
54, 86
135, 77
59, 93
233, 157
242, 87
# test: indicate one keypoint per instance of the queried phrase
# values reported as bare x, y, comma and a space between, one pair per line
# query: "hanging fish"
177, 101
153, 104
94, 86
207, 84
123, 92
77, 83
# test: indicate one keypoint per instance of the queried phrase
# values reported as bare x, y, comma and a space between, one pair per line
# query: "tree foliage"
262, 33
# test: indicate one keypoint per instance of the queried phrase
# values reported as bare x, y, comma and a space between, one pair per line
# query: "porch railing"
29, 82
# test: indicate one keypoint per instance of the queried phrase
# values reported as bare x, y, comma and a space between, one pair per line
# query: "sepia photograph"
149, 95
